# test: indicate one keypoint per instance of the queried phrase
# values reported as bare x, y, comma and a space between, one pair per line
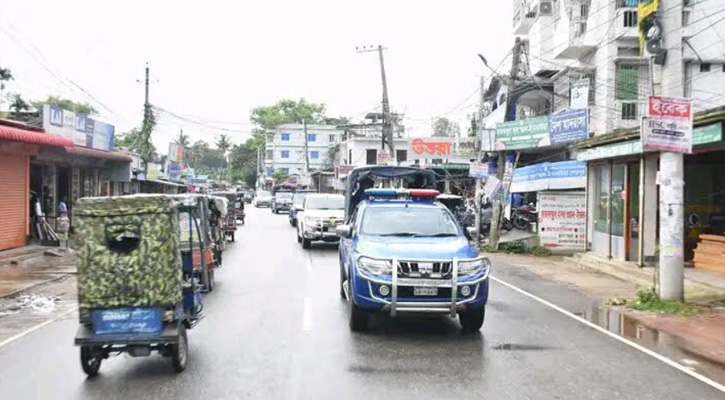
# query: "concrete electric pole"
510, 116
387, 135
307, 153
671, 207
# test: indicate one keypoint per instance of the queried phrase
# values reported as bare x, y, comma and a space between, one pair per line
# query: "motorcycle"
522, 217
487, 216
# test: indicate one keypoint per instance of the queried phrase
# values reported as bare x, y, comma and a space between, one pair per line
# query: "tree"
183, 140
443, 127
243, 161
67, 104
473, 128
18, 106
288, 111
280, 176
132, 141
5, 76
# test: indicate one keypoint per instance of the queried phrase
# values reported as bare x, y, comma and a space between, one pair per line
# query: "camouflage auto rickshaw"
138, 289
205, 250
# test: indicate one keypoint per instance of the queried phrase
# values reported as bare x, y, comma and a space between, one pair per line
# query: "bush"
540, 251
488, 249
513, 247
649, 300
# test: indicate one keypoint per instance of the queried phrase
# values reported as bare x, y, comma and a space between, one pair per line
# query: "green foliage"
204, 159
540, 251
288, 111
648, 300
5, 76
280, 176
513, 247
489, 249
243, 161
18, 105
443, 127
67, 104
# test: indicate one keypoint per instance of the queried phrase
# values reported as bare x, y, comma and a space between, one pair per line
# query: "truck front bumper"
451, 296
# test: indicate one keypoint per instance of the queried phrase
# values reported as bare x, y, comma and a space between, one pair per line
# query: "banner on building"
550, 176
562, 220
492, 187
569, 126
176, 152
668, 126
487, 139
522, 134
580, 94
432, 147
478, 170
465, 147
173, 171
383, 157
80, 128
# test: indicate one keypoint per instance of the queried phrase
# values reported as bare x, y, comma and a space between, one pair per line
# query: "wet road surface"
275, 328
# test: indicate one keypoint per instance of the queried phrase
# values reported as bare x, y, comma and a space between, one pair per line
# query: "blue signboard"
550, 176
569, 126
127, 320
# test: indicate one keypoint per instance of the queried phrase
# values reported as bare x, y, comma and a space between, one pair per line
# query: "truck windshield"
332, 202
408, 221
264, 194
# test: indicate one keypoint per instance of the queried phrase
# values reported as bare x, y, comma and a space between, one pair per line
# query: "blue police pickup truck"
402, 252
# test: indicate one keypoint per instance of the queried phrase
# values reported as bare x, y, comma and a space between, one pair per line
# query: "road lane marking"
309, 263
36, 327
307, 315
621, 339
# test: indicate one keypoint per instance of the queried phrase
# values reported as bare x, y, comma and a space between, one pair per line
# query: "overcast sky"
213, 61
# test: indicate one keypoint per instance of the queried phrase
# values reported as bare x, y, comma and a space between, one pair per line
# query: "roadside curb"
34, 285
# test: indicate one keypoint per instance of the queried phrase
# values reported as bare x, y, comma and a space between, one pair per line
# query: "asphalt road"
275, 328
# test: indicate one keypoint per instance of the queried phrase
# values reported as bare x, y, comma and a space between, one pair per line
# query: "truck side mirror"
343, 231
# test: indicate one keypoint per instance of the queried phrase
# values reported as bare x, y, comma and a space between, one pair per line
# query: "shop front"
18, 143
623, 196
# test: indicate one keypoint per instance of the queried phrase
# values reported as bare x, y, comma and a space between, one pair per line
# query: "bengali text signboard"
569, 126
563, 221
668, 126
433, 147
522, 134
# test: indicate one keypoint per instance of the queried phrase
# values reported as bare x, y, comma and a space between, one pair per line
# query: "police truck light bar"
394, 193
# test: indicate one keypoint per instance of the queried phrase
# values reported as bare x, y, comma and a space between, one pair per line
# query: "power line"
192, 121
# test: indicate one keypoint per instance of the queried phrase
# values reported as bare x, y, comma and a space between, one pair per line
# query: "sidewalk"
24, 268
700, 335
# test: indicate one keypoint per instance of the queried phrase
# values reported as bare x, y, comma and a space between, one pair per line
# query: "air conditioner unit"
546, 9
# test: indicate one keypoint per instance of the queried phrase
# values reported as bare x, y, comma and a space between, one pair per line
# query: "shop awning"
107, 155
33, 137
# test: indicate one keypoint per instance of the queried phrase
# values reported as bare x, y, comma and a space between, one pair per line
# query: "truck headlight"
371, 266
474, 267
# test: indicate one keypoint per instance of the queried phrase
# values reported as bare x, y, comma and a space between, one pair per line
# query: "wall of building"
357, 148
325, 137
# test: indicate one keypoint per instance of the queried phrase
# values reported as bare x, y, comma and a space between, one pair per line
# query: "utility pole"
477, 195
146, 85
510, 116
259, 165
671, 207
307, 153
387, 119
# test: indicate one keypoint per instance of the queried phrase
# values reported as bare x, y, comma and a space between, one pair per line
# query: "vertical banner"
563, 220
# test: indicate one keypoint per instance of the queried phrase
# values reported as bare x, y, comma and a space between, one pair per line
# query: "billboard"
176, 152
668, 126
432, 147
522, 134
80, 128
563, 220
569, 126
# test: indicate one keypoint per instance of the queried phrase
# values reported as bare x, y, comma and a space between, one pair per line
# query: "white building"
364, 150
285, 148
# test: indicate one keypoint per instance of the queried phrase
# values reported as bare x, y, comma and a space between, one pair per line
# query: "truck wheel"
90, 361
306, 243
359, 319
232, 236
472, 320
180, 351
342, 282
210, 280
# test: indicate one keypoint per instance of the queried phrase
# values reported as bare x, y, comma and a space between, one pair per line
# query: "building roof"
19, 132
94, 153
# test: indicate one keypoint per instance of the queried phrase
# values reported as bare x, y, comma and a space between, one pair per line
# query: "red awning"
107, 155
27, 136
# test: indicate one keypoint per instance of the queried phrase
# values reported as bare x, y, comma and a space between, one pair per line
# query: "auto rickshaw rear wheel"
180, 351
90, 360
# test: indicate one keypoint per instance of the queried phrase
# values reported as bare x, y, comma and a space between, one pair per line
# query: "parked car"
263, 199
282, 201
297, 200
403, 252
318, 218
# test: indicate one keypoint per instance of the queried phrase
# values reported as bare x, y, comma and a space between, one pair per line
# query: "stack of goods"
710, 253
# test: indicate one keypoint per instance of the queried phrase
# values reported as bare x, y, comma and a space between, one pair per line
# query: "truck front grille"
413, 269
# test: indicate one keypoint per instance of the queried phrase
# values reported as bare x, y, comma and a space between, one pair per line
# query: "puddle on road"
521, 347
672, 347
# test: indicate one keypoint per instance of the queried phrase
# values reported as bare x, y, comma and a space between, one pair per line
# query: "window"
325, 202
629, 111
284, 154
270, 154
311, 137
627, 81
315, 155
705, 67
630, 19
371, 157
285, 137
401, 155
270, 172
285, 170
332, 138
408, 221
685, 18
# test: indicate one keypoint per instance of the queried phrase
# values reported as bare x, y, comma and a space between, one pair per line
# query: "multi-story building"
588, 52
285, 148
362, 143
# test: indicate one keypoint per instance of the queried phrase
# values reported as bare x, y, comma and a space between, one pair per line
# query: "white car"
263, 198
318, 218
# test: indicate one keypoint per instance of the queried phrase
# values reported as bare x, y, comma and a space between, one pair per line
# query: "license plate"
425, 291
127, 320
